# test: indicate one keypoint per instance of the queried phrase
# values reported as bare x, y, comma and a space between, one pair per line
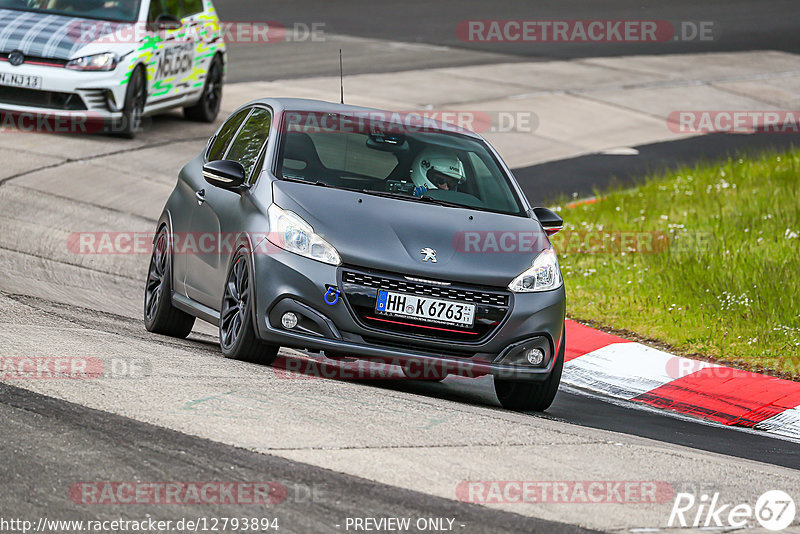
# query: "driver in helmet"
437, 169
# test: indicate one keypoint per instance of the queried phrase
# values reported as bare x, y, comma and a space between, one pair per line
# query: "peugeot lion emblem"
16, 58
428, 254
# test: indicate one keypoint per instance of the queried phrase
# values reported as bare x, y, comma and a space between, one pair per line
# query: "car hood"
472, 246
50, 36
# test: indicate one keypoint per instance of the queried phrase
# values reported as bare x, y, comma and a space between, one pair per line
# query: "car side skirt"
193, 307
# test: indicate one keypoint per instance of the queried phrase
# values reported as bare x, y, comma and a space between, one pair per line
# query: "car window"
349, 153
156, 9
115, 10
251, 137
161, 7
352, 152
192, 7
225, 135
488, 187
173, 7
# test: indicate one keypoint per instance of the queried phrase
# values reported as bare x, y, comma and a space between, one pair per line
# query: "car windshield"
115, 10
408, 163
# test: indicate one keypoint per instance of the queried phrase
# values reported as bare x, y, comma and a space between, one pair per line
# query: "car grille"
434, 291
41, 99
42, 61
360, 289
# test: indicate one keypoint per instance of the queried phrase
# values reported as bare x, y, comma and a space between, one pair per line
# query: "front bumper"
287, 282
65, 92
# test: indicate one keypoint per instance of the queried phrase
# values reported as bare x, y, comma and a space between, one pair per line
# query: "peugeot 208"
364, 234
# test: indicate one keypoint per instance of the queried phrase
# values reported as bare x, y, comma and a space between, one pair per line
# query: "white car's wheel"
135, 98
207, 108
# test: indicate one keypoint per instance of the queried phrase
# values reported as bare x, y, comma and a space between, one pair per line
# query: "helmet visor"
442, 180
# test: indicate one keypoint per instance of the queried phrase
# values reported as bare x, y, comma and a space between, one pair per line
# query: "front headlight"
544, 274
291, 233
104, 62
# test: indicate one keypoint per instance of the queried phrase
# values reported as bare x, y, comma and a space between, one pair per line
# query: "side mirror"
165, 21
550, 221
226, 174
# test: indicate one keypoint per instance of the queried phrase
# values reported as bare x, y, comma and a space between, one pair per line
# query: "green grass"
724, 279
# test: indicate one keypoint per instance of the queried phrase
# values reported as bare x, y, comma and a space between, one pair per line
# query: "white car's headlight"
291, 233
104, 62
544, 274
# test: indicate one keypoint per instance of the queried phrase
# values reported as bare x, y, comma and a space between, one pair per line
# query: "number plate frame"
434, 310
24, 81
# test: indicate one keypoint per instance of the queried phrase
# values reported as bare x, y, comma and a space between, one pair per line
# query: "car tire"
237, 334
133, 109
531, 396
160, 316
207, 108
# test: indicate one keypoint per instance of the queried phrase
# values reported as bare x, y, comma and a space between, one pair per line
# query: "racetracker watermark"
564, 492
411, 369
585, 31
579, 242
467, 242
66, 122
734, 121
71, 368
202, 31
678, 367
385, 123
141, 243
178, 493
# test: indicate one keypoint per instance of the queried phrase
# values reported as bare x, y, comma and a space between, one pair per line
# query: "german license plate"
425, 308
20, 80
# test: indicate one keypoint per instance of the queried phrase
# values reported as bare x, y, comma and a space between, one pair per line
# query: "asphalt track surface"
91, 445
738, 25
50, 443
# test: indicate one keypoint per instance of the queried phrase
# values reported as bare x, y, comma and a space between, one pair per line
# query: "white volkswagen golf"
115, 61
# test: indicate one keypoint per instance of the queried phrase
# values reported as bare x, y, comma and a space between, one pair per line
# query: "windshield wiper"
446, 203
318, 183
412, 198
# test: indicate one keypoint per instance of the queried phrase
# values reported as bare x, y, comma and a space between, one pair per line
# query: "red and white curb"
622, 369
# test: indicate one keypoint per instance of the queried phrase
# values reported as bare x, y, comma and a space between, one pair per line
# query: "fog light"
534, 356
289, 320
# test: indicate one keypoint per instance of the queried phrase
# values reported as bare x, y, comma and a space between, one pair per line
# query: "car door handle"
201, 196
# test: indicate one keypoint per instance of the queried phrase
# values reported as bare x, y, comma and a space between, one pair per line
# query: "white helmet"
437, 169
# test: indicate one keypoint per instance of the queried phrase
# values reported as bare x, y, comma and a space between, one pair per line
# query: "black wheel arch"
165, 221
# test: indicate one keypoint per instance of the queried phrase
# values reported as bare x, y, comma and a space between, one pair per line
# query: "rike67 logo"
774, 510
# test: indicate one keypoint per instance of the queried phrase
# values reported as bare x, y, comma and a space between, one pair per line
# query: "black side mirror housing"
550, 220
226, 174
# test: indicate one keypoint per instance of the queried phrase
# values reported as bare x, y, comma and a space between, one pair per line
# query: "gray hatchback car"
364, 234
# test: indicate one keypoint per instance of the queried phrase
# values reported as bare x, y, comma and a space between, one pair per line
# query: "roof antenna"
341, 78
